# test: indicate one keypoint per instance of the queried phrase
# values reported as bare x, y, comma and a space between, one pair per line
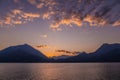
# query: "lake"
60, 71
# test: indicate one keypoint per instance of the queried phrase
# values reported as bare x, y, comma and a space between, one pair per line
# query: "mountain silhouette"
106, 53
22, 53
106, 48
26, 53
60, 57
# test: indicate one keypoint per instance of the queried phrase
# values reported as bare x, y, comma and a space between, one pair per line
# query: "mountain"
61, 57
106, 53
106, 48
22, 53
26, 53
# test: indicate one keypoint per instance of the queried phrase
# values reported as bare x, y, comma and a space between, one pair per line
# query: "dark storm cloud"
66, 12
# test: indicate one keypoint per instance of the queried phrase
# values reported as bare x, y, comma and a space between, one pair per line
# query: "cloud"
44, 36
92, 12
67, 52
24, 15
18, 16
40, 5
33, 2
66, 12
42, 46
16, 1
117, 23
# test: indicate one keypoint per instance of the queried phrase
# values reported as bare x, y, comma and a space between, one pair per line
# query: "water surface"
60, 71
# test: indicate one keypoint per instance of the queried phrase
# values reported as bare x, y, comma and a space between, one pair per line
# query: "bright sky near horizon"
59, 27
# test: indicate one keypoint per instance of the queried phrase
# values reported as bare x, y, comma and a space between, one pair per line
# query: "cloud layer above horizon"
68, 52
61, 12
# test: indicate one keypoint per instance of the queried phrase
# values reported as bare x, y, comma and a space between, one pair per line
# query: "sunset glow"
59, 27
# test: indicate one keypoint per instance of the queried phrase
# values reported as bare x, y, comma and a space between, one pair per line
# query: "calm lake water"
60, 71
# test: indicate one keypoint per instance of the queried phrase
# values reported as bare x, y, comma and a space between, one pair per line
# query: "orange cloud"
67, 22
79, 12
46, 16
117, 23
33, 2
17, 22
8, 20
25, 14
40, 5
67, 52
31, 15
18, 16
71, 12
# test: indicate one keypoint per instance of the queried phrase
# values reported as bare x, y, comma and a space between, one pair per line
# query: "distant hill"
26, 53
106, 53
22, 53
61, 57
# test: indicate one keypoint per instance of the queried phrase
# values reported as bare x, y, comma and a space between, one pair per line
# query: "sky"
59, 27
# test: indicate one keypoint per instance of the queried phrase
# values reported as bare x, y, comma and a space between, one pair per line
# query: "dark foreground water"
60, 71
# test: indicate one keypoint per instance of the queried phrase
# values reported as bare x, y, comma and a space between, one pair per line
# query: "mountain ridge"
26, 53
105, 53
22, 53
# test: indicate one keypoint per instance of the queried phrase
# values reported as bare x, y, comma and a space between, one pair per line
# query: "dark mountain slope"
106, 53
22, 53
